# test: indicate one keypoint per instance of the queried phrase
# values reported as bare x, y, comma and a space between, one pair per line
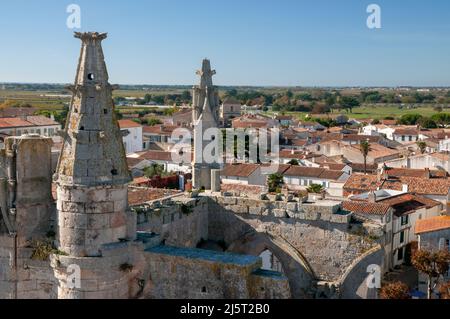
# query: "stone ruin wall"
327, 241
26, 199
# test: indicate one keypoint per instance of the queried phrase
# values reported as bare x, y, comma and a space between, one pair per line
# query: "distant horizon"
246, 86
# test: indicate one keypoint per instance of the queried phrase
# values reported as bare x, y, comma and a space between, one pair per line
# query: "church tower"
205, 104
92, 178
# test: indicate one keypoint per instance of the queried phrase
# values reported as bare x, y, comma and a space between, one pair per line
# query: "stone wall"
201, 274
29, 210
180, 221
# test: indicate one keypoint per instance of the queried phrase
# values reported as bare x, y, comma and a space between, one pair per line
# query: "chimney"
372, 197
382, 173
427, 173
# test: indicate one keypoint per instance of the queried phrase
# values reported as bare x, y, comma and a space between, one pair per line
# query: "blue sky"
249, 42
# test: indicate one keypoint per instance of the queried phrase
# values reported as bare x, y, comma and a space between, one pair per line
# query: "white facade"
133, 141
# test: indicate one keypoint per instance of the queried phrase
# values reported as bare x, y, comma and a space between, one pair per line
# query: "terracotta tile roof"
441, 156
409, 172
12, 122
138, 196
432, 224
389, 122
156, 156
238, 123
422, 186
133, 161
406, 131
240, 170
359, 167
281, 168
359, 138
128, 124
161, 129
333, 166
359, 207
407, 203
317, 172
376, 150
40, 120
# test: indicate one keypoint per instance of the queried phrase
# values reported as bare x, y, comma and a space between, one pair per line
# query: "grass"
373, 112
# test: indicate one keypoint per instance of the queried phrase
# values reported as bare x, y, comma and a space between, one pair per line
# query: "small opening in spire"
114, 172
91, 76
105, 111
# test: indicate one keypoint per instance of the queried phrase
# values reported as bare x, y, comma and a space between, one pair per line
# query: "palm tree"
422, 146
365, 149
315, 188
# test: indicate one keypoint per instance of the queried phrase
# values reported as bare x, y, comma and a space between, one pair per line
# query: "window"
400, 254
405, 220
402, 237
410, 138
403, 138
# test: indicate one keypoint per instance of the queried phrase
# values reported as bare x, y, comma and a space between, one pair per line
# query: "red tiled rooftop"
128, 124
432, 224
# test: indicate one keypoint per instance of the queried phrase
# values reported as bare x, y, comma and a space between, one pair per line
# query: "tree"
275, 181
154, 170
433, 264
395, 290
422, 146
348, 103
426, 122
315, 189
294, 162
444, 290
441, 118
153, 121
410, 119
365, 149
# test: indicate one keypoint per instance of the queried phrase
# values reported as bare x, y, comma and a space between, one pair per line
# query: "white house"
300, 177
36, 124
243, 174
133, 140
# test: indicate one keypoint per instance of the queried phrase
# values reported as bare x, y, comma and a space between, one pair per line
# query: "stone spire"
205, 103
206, 92
93, 153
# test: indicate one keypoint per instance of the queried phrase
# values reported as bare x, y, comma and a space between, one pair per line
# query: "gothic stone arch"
295, 266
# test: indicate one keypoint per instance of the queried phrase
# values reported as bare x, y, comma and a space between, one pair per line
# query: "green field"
371, 112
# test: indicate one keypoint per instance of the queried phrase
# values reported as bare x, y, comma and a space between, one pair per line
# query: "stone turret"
91, 181
206, 105
92, 173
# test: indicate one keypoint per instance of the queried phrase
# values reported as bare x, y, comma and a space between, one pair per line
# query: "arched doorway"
277, 254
